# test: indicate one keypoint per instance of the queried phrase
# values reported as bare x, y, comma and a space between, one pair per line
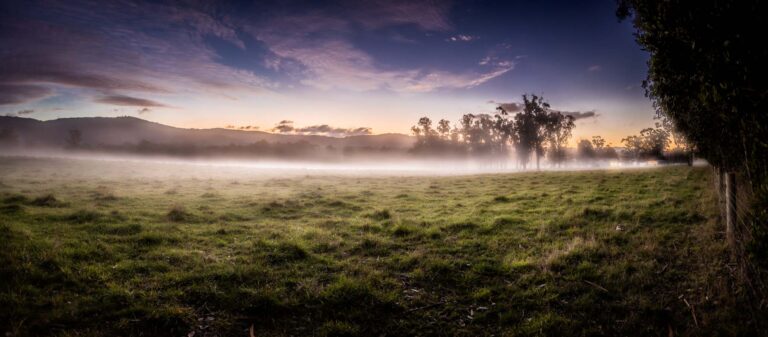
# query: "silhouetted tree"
540, 111
603, 150
633, 146
423, 132
505, 132
681, 144
651, 143
474, 129
526, 132
598, 143
655, 141
585, 150
435, 141
455, 135
537, 126
444, 129
558, 130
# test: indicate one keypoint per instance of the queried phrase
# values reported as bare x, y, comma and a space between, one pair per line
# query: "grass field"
114, 248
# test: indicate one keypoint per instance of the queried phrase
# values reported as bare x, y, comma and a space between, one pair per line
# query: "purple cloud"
427, 15
129, 101
328, 130
286, 126
511, 107
21, 93
580, 114
514, 107
118, 49
25, 112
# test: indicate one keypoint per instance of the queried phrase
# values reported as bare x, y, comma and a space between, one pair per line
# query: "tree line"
537, 131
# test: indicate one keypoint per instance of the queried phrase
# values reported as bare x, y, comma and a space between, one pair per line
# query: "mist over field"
133, 139
164, 166
338, 251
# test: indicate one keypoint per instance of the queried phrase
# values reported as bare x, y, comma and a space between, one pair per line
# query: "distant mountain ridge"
114, 131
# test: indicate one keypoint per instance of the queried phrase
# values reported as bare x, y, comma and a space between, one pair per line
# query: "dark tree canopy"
707, 74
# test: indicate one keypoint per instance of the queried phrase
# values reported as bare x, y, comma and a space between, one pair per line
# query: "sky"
327, 67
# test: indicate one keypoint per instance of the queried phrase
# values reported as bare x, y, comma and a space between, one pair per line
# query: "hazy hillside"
131, 130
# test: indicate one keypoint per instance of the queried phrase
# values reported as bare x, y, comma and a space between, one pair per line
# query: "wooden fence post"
720, 187
730, 208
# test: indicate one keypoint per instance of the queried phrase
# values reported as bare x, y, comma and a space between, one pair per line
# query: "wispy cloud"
321, 43
594, 68
20, 93
129, 101
287, 127
119, 49
508, 107
328, 130
427, 15
25, 112
116, 47
461, 38
514, 107
41, 69
336, 63
577, 115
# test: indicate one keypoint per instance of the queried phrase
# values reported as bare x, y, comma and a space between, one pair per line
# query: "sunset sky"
347, 64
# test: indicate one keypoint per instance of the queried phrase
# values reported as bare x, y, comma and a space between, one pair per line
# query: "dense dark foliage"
707, 74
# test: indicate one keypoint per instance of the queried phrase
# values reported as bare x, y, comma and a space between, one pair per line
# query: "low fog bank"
480, 143
169, 166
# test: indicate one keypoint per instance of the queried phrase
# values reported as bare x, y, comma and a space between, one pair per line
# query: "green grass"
109, 248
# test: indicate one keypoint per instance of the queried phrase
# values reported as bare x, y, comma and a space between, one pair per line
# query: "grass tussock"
11, 209
178, 213
84, 216
47, 200
380, 215
281, 252
507, 221
104, 194
502, 198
